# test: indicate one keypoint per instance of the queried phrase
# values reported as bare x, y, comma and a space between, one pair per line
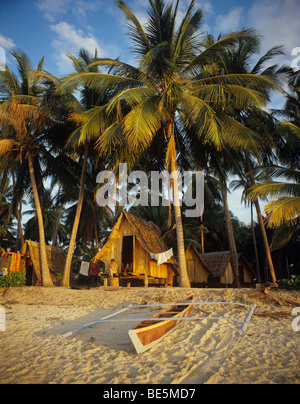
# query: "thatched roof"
56, 258
147, 234
216, 262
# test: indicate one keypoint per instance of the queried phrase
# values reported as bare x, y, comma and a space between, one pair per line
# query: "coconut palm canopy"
175, 89
186, 93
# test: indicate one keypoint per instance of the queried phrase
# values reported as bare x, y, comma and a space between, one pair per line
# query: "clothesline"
89, 268
162, 257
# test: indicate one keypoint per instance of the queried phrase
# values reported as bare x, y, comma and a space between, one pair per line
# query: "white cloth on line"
162, 257
84, 268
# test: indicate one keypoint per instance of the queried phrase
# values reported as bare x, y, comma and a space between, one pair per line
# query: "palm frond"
135, 30
116, 67
210, 52
7, 145
132, 96
96, 81
93, 123
276, 172
275, 51
141, 124
294, 128
255, 82
281, 236
275, 189
110, 139
237, 135
186, 39
9, 84
283, 211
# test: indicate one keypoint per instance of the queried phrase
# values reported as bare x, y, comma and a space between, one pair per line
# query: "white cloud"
70, 39
230, 22
54, 8
6, 42
278, 22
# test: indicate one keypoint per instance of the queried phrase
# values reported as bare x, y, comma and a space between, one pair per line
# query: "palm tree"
245, 184
22, 122
84, 144
236, 60
169, 93
222, 164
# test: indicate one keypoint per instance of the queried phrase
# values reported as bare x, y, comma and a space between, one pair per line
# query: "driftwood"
274, 314
272, 297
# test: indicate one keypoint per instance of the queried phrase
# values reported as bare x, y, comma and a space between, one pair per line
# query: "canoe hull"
147, 337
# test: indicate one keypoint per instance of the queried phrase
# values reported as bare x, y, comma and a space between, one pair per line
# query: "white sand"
197, 352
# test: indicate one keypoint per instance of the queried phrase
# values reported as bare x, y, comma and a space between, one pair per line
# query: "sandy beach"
197, 352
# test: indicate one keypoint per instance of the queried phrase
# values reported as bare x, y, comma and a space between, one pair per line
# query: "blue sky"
54, 28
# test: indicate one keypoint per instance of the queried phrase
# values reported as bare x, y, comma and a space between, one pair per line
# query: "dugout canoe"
150, 332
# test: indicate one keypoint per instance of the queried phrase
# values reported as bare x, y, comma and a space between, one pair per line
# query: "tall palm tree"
22, 122
237, 60
80, 141
245, 184
169, 93
221, 164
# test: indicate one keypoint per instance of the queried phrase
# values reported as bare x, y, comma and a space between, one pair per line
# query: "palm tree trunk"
58, 212
55, 227
66, 279
231, 240
46, 278
261, 223
255, 246
184, 279
20, 241
265, 240
183, 275
202, 236
20, 235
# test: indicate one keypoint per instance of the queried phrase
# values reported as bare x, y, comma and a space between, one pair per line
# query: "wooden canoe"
149, 332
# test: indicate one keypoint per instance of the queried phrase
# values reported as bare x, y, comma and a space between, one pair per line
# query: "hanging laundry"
84, 269
15, 262
94, 268
162, 257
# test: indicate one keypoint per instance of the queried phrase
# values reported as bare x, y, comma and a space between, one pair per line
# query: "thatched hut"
198, 273
215, 269
56, 261
131, 243
219, 266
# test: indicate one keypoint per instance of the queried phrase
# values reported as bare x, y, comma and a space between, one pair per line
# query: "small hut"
56, 261
198, 273
131, 243
219, 266
215, 269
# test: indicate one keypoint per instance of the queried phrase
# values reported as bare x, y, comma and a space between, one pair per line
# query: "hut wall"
246, 276
158, 271
197, 273
141, 258
228, 277
115, 249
